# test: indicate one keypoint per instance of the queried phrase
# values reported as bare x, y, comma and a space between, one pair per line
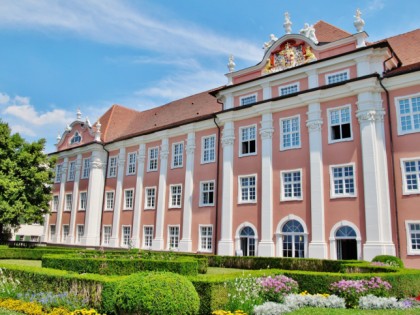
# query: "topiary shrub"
156, 293
389, 260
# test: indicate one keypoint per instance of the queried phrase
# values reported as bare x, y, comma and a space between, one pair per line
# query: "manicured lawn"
328, 311
222, 271
7, 312
30, 263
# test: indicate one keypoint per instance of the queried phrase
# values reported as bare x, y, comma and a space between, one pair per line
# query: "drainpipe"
216, 201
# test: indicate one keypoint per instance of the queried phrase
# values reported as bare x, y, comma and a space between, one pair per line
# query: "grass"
29, 263
222, 271
7, 312
329, 311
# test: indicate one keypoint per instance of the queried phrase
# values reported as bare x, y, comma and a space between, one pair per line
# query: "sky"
58, 56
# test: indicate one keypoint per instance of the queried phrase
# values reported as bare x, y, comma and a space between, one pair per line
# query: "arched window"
293, 239
345, 232
247, 237
76, 138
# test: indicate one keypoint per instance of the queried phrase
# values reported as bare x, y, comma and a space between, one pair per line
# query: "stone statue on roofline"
309, 32
231, 64
272, 40
287, 23
358, 21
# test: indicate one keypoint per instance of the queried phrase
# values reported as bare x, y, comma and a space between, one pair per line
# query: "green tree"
26, 174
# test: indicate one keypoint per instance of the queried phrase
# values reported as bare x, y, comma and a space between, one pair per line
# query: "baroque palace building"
313, 152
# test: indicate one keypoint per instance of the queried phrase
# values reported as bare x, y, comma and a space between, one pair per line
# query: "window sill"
339, 140
343, 196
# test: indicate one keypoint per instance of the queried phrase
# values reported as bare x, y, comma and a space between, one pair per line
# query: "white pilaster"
375, 177
158, 242
185, 245
312, 79
225, 246
266, 91
228, 102
71, 237
61, 201
115, 236
266, 244
318, 245
138, 201
95, 196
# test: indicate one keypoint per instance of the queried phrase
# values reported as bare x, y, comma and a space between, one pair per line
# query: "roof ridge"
402, 34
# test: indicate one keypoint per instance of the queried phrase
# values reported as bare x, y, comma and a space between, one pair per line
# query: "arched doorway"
247, 241
293, 239
346, 243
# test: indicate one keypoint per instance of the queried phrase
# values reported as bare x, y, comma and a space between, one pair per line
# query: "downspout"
103, 196
216, 201
394, 190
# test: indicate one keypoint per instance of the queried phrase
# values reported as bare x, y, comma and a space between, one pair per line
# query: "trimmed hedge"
119, 265
390, 260
31, 253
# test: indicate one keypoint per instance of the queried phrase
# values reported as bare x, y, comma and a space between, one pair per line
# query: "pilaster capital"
164, 151
314, 125
228, 141
141, 154
98, 164
266, 133
371, 115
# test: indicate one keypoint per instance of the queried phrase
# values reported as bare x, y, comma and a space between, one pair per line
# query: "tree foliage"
25, 180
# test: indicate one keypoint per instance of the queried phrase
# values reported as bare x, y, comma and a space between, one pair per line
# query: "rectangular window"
80, 233
291, 188
249, 99
247, 189
86, 168
52, 231
413, 237
58, 171
72, 171
131, 164
206, 238
126, 240
55, 203
290, 133
208, 149
175, 197
177, 154
66, 231
107, 234
128, 199
342, 181
248, 144
337, 77
83, 201
150, 202
207, 193
147, 236
109, 203
153, 159
411, 176
408, 110
288, 89
112, 166
69, 202
173, 237
339, 120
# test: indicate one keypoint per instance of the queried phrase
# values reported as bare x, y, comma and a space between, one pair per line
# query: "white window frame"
407, 191
333, 195
240, 197
411, 114
150, 200
207, 191
128, 207
107, 199
155, 159
81, 208
112, 166
85, 168
328, 76
125, 242
242, 99
174, 236
131, 163
68, 205
292, 183
177, 195
107, 238
289, 87
58, 172
209, 150
330, 125
53, 227
410, 250
72, 171
147, 237
79, 235
207, 237
177, 155
66, 235
241, 154
290, 133
55, 203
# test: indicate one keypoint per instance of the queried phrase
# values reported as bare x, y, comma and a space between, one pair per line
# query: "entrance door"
247, 241
346, 243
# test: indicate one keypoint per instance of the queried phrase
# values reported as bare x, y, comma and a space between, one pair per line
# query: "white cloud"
373, 6
4, 98
22, 130
28, 113
117, 22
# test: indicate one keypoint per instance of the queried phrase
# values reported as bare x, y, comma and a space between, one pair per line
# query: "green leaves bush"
156, 293
389, 260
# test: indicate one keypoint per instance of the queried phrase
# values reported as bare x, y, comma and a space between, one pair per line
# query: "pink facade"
313, 152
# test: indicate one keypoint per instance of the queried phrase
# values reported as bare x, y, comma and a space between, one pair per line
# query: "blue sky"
58, 56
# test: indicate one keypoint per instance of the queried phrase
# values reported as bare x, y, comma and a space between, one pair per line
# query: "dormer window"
248, 99
76, 138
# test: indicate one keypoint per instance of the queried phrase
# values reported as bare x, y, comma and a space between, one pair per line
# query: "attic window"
249, 99
337, 77
76, 138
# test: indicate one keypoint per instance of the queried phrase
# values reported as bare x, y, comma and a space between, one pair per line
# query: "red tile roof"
326, 32
406, 46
